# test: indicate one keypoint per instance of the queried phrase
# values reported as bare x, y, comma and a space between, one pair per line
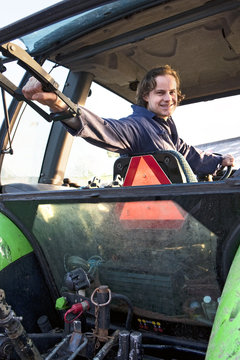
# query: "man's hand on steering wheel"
228, 160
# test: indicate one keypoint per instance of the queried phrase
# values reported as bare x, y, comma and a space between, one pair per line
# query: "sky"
197, 124
14, 10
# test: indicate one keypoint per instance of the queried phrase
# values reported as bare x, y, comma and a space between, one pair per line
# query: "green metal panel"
224, 341
13, 244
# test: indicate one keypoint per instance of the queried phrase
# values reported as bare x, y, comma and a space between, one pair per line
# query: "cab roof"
118, 41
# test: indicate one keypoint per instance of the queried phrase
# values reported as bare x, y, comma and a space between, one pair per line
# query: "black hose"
174, 341
175, 348
130, 308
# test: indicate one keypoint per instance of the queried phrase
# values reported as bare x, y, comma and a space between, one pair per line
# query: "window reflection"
167, 272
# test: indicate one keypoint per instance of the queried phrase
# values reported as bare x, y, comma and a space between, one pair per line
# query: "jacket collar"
140, 110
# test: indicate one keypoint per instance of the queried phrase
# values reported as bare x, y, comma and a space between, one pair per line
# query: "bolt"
167, 160
11, 47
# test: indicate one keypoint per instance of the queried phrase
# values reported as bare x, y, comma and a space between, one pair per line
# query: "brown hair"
148, 83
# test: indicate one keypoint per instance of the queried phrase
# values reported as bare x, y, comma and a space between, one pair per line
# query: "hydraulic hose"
130, 308
173, 341
177, 349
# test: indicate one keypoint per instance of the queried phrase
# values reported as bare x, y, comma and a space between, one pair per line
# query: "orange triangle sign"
144, 170
163, 214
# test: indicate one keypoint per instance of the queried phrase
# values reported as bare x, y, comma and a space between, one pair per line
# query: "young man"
149, 128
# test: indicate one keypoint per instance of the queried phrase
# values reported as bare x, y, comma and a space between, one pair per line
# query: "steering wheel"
226, 172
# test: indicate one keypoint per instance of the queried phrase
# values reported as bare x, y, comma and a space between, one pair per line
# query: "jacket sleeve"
104, 133
201, 162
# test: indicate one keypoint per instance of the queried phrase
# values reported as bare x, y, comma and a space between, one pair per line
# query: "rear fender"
13, 243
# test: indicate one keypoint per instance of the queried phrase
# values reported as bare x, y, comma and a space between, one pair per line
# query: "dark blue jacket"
140, 132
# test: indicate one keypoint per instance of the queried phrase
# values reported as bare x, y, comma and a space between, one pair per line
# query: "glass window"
29, 135
46, 37
87, 161
211, 125
154, 252
28, 145
14, 73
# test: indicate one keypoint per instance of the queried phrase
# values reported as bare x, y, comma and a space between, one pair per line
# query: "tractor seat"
172, 164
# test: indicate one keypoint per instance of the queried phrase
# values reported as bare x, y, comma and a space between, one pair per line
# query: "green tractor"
117, 257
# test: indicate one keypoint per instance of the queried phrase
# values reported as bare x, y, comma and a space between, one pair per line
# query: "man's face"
163, 99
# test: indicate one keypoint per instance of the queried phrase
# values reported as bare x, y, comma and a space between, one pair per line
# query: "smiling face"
162, 100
